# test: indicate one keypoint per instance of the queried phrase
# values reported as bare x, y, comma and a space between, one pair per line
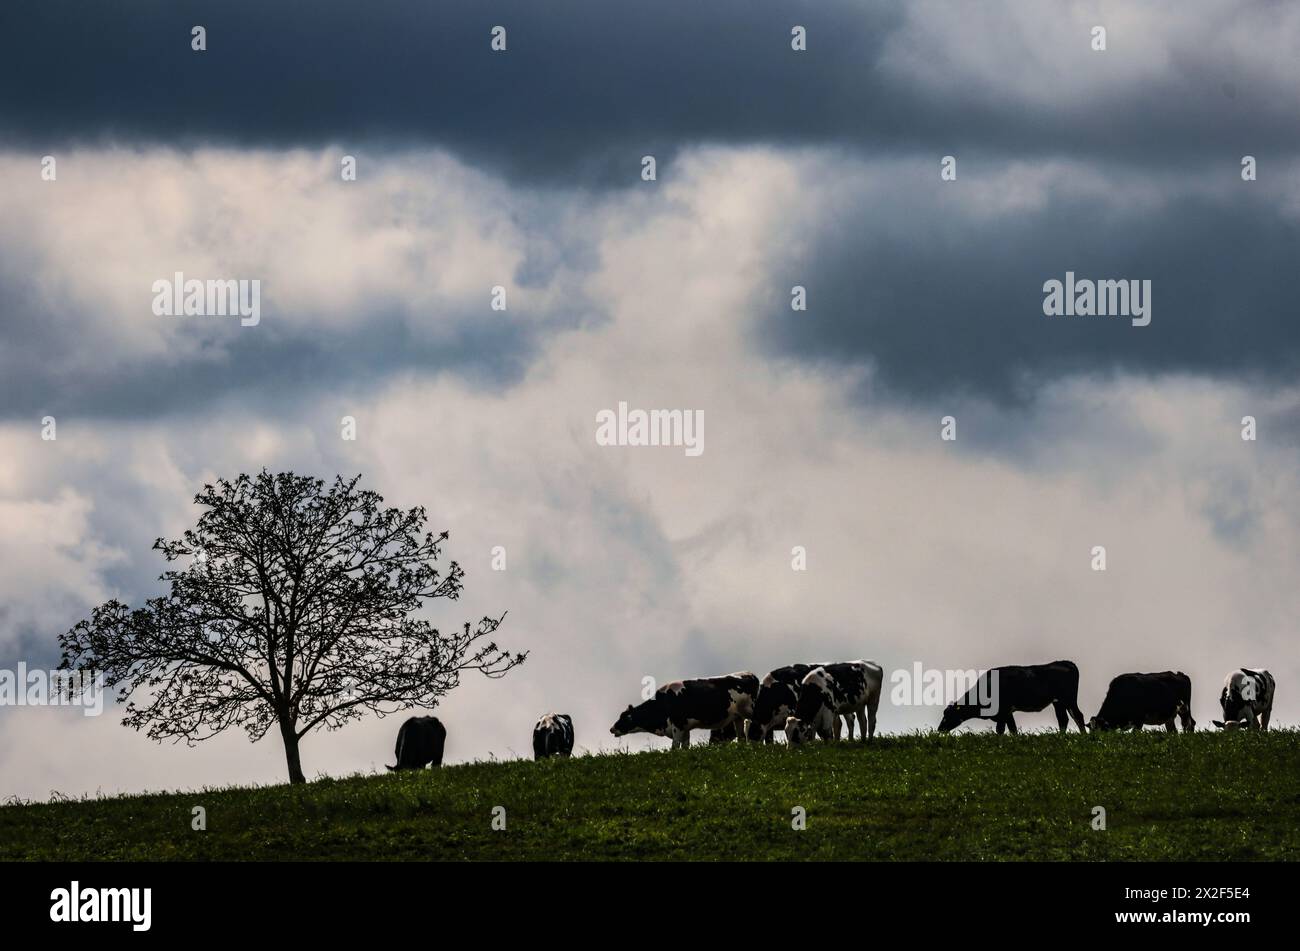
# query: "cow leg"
1169, 726
1002, 727
872, 705
1251, 722
1263, 719
1077, 716
865, 728
839, 726
1011, 724
848, 724
1060, 714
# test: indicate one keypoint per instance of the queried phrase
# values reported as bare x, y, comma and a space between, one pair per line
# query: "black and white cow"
778, 695
1138, 700
833, 690
419, 742
718, 704
1003, 692
553, 735
1247, 695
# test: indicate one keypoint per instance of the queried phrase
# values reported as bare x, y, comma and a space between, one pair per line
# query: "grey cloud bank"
584, 89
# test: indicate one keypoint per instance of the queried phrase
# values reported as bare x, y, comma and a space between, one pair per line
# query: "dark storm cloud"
586, 88
262, 370
941, 299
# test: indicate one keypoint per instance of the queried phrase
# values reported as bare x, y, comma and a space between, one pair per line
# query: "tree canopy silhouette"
291, 604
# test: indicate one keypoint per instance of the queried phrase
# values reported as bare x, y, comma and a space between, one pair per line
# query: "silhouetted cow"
1004, 691
1247, 694
1138, 700
420, 742
778, 695
718, 704
833, 690
553, 735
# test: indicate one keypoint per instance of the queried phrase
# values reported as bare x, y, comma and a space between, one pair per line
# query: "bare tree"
291, 604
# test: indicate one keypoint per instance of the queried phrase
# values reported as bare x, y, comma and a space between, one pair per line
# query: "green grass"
1203, 796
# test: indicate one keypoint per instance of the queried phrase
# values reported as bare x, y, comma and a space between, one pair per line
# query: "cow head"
1098, 725
798, 731
954, 715
756, 732
626, 722
647, 717
1231, 724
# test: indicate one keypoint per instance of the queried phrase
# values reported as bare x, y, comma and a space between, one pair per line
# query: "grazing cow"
1247, 694
1138, 700
718, 704
553, 735
778, 695
1004, 691
833, 690
420, 742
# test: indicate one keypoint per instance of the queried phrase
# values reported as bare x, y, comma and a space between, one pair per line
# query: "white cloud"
418, 235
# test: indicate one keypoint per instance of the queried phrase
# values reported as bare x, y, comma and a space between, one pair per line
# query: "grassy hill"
1205, 796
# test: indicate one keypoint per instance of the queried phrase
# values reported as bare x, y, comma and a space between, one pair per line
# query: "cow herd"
806, 701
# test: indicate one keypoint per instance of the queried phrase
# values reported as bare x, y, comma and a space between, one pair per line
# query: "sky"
523, 169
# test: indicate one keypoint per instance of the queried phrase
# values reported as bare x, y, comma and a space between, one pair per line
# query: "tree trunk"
291, 752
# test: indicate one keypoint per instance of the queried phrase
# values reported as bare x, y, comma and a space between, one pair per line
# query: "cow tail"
1188, 722
398, 751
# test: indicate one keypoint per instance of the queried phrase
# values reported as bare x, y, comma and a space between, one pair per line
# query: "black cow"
831, 691
1247, 695
718, 704
1138, 700
1004, 691
553, 735
420, 742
